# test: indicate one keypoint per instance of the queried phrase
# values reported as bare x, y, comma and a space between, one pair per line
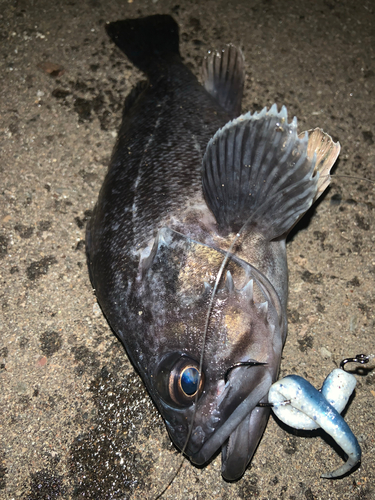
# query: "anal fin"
223, 77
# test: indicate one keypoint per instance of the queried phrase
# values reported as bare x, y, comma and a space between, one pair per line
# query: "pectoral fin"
256, 171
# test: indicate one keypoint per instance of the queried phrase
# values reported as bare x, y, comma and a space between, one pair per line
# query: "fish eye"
184, 381
178, 380
189, 380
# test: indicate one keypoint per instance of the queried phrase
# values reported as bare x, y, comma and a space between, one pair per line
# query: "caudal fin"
257, 170
147, 40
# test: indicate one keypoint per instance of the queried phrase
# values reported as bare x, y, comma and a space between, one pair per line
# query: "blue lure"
299, 404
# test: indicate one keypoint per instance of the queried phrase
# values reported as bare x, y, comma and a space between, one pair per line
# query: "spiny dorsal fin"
256, 166
223, 77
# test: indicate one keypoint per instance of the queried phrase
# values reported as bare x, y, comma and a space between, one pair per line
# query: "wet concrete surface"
76, 421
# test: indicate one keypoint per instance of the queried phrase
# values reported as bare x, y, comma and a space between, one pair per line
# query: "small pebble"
325, 353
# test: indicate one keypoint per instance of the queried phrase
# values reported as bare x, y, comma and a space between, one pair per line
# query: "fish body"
184, 178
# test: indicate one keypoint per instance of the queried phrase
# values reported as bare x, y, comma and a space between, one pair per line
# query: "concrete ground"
76, 422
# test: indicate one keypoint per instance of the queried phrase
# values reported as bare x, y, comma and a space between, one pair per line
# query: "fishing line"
209, 311
205, 333
350, 177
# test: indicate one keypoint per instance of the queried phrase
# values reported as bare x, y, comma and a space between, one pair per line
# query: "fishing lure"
299, 405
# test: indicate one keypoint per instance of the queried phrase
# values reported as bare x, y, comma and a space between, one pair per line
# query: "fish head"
239, 330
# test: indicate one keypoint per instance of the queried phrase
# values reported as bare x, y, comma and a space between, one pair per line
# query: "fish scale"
143, 181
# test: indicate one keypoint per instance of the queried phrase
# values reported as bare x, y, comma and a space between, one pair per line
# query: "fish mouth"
242, 429
242, 443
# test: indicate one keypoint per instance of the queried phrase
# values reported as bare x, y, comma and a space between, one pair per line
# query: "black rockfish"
182, 181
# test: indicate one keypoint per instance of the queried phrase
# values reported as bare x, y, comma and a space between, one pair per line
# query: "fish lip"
220, 435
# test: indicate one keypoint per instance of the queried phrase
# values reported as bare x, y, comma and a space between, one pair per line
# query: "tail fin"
256, 169
146, 40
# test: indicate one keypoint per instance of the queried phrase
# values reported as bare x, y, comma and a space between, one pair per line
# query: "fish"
186, 247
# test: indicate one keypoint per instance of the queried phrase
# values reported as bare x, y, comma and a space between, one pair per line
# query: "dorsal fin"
256, 166
223, 77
